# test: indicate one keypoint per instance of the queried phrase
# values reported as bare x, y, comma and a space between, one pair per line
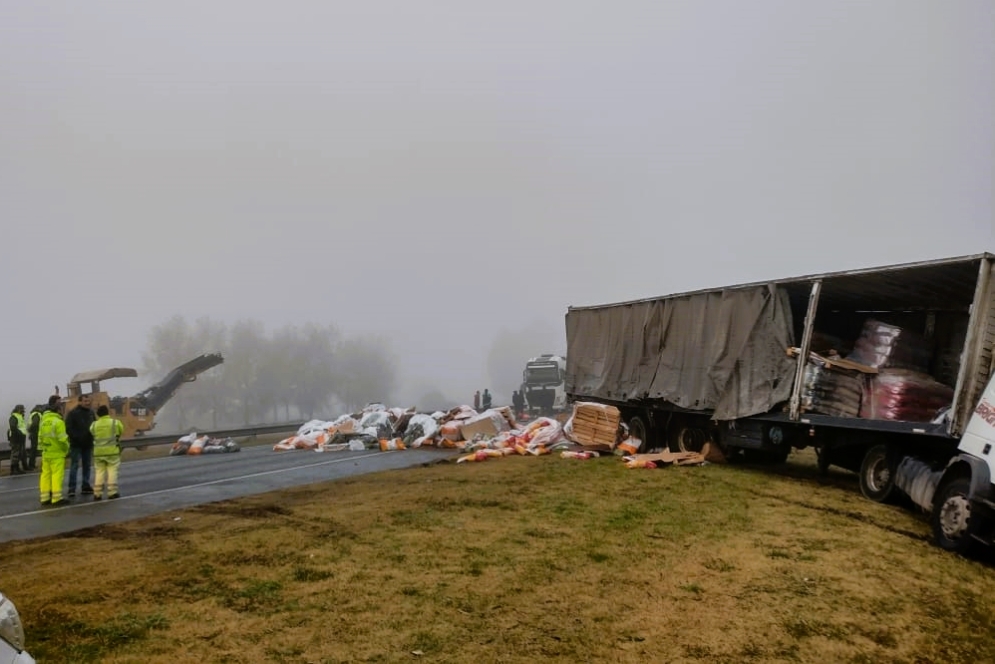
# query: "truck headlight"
11, 629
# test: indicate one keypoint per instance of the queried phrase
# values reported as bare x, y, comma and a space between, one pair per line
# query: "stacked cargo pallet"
593, 424
832, 385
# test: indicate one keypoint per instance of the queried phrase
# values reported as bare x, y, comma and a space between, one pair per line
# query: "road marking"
49, 510
130, 464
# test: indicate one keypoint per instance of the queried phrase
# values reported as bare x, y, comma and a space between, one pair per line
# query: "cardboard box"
488, 424
349, 426
668, 458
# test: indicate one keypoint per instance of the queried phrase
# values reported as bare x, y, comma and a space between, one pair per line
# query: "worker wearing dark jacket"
17, 434
78, 423
34, 423
518, 402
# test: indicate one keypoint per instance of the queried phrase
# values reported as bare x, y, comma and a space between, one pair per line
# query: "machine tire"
877, 474
638, 428
951, 519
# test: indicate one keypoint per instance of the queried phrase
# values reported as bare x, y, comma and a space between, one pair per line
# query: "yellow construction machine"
137, 412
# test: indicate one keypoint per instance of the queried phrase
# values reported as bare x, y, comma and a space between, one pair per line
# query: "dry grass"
513, 560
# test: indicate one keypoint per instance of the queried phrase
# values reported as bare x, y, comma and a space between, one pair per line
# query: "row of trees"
295, 372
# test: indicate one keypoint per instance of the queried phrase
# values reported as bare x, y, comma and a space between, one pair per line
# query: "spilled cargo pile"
593, 430
194, 444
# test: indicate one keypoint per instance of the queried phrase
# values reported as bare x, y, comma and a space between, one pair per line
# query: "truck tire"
689, 439
639, 429
824, 460
877, 474
951, 520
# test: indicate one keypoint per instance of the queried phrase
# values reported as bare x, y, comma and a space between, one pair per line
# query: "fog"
446, 174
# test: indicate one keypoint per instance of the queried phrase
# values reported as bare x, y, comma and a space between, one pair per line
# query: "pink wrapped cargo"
906, 396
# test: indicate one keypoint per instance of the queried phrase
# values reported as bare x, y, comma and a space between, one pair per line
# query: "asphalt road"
151, 486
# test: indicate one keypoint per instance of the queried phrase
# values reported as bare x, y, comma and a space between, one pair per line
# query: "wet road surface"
151, 486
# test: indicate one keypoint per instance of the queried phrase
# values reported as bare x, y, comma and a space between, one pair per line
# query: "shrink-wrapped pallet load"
884, 346
593, 425
908, 396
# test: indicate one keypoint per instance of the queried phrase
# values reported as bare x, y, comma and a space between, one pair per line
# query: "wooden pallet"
834, 362
595, 424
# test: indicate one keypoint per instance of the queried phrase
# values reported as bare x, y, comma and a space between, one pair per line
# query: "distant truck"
735, 366
543, 384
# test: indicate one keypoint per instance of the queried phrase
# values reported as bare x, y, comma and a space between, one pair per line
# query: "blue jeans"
76, 454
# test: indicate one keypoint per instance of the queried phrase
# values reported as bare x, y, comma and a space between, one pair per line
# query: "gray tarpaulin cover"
724, 351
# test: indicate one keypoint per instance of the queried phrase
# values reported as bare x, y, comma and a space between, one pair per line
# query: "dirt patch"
233, 509
119, 533
115, 533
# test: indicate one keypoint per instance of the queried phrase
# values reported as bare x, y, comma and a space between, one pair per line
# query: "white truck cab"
959, 496
12, 635
544, 383
963, 509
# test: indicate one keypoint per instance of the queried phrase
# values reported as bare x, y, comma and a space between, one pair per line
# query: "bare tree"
171, 344
366, 371
242, 369
267, 376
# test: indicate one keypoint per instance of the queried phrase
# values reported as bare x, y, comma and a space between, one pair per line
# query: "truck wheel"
824, 461
689, 439
638, 429
951, 518
877, 475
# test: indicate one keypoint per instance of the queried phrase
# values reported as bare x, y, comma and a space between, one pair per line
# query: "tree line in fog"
294, 372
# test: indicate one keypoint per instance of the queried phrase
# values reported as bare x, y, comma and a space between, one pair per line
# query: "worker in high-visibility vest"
34, 424
107, 434
17, 434
54, 444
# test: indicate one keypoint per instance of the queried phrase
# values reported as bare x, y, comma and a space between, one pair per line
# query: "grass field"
514, 560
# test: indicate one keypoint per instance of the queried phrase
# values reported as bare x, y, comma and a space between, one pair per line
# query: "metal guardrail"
170, 438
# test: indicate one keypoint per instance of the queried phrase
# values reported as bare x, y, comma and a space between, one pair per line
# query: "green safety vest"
20, 423
35, 418
106, 434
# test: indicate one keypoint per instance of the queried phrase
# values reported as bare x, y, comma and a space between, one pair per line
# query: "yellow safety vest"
52, 439
20, 424
33, 416
106, 434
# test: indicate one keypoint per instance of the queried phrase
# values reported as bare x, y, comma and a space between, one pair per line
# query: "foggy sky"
435, 171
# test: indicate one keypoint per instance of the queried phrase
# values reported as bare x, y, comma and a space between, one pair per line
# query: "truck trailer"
886, 372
